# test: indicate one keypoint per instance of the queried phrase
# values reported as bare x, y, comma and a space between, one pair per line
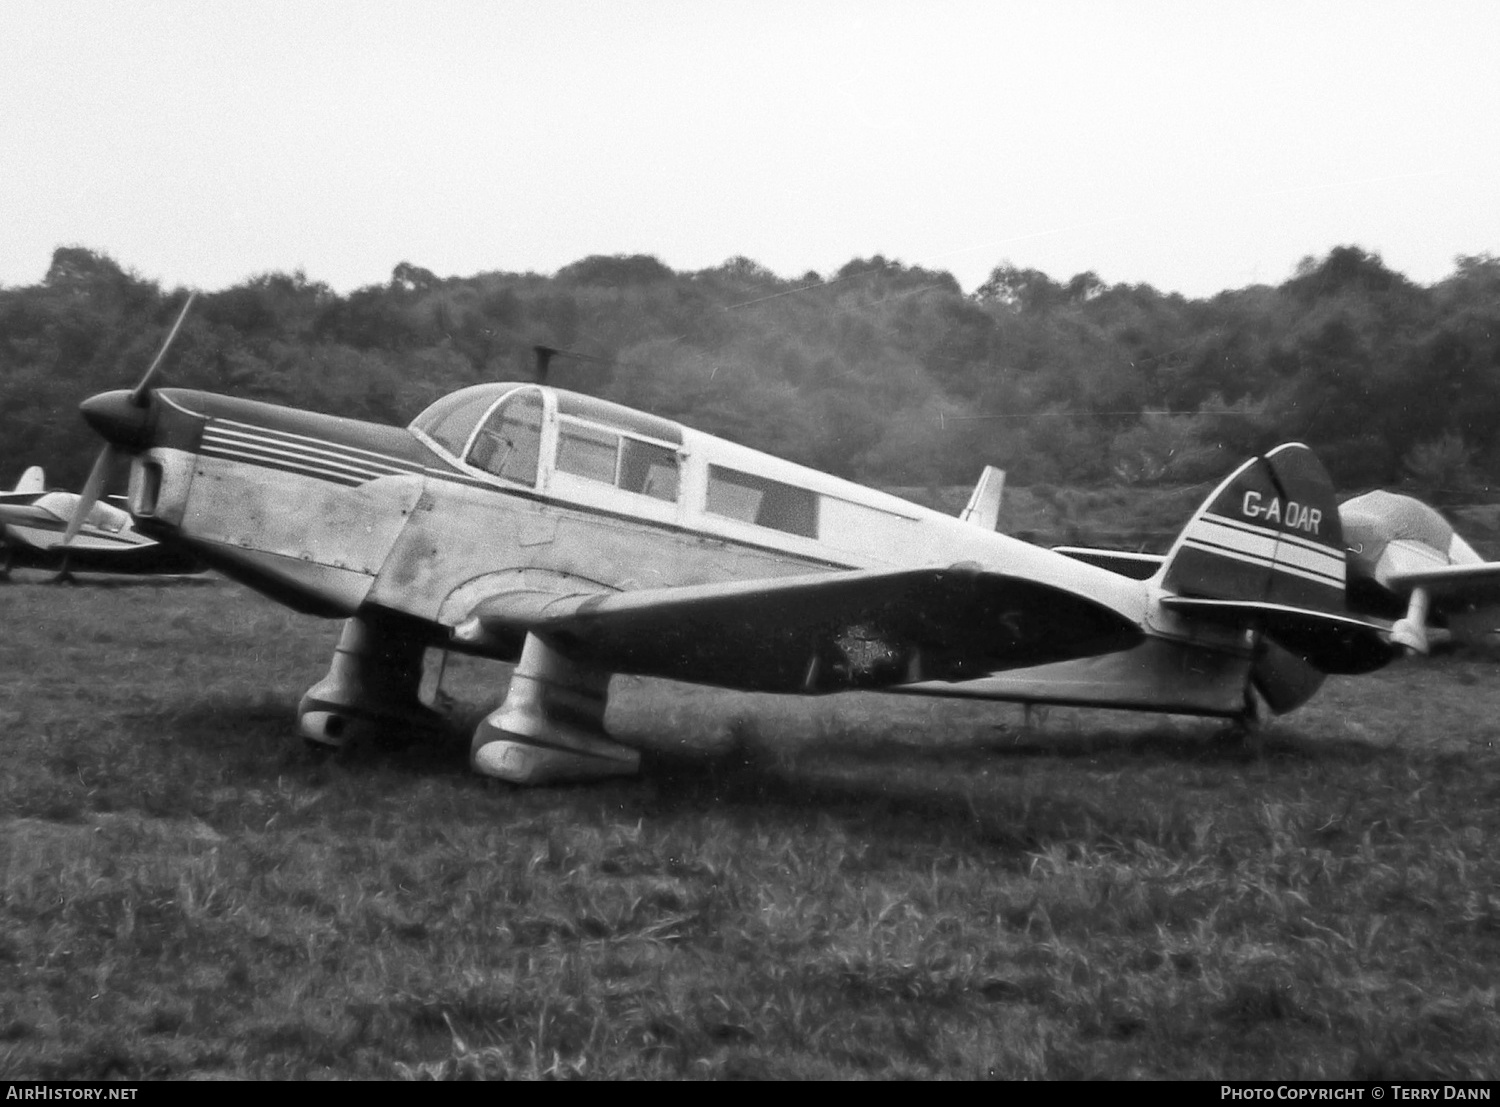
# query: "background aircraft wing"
19, 509
816, 633
1465, 584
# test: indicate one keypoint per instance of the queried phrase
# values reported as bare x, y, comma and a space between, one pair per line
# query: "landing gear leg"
1245, 728
550, 729
370, 690
64, 574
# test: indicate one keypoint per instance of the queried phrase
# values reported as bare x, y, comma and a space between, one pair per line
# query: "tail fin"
984, 504
1269, 533
1266, 552
33, 480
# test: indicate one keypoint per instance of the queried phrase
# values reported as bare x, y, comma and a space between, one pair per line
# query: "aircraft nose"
121, 422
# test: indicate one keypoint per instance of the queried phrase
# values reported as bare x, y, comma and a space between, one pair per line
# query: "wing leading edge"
816, 633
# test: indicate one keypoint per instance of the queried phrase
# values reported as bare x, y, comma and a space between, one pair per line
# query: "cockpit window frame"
506, 391
495, 393
660, 443
628, 440
538, 477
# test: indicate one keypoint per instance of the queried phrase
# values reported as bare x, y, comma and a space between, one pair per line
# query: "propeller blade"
138, 396
90, 494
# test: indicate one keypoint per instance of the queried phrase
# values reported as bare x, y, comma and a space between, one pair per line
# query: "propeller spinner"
121, 418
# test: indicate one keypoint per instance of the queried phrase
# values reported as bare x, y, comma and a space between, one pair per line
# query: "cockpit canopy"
499, 429
584, 450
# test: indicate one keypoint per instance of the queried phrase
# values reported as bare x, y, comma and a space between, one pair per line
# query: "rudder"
1266, 553
1269, 533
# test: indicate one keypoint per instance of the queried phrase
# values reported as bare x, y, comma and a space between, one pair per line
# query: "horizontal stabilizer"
815, 633
1136, 566
1330, 642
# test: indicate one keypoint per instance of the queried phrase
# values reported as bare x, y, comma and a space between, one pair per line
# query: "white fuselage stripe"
1264, 562
1274, 547
1313, 561
224, 439
299, 464
291, 457
1211, 530
1272, 532
230, 426
287, 457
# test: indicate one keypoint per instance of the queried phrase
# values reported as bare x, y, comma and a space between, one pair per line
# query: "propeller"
140, 396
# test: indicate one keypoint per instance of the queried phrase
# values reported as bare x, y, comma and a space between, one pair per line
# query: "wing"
817, 633
1453, 585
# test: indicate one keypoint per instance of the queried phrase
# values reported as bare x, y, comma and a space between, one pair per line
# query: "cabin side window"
650, 470
510, 442
586, 451
767, 503
610, 458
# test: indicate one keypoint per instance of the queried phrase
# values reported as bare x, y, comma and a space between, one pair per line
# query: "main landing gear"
549, 730
370, 691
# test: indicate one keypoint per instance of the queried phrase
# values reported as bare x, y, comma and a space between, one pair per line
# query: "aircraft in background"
33, 534
1406, 565
1406, 560
579, 538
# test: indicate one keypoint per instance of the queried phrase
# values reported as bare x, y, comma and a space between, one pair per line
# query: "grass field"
850, 886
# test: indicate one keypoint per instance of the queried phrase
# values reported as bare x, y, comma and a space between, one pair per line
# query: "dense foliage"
884, 372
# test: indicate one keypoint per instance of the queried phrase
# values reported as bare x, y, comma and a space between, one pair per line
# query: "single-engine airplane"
33, 534
579, 538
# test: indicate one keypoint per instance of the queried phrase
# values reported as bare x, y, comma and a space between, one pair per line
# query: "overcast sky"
1193, 146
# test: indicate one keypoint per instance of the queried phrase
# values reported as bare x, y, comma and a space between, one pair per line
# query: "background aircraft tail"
33, 480
1266, 552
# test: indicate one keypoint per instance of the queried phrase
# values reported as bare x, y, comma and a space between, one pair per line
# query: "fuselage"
504, 486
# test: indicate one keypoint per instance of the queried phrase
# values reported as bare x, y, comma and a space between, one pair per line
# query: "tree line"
882, 372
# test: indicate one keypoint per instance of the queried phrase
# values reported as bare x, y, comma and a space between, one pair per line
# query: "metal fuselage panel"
466, 542
302, 507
